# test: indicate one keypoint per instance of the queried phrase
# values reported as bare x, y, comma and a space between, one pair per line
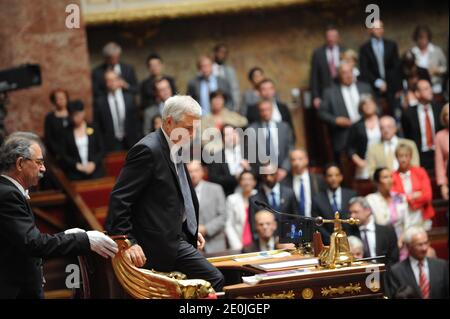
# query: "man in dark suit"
421, 122
280, 113
23, 245
154, 203
379, 64
339, 108
334, 198
265, 226
428, 277
127, 75
206, 82
116, 116
324, 64
276, 195
271, 141
155, 68
378, 240
304, 183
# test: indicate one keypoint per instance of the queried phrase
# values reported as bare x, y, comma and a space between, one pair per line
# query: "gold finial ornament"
337, 254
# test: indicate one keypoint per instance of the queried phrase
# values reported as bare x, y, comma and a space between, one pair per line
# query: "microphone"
317, 220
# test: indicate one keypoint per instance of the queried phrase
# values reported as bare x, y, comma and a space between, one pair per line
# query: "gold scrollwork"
283, 295
351, 288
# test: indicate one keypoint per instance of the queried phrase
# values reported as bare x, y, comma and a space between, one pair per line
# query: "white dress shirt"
421, 113
17, 184
371, 237
351, 99
306, 189
198, 189
270, 245
83, 148
117, 69
392, 145
117, 112
276, 115
233, 159
276, 190
338, 198
416, 270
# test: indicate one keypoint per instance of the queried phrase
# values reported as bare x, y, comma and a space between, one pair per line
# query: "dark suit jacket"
148, 96
333, 105
369, 66
316, 182
320, 77
321, 206
253, 114
401, 274
193, 89
103, 120
23, 245
357, 139
70, 155
220, 174
288, 204
255, 247
127, 73
53, 126
147, 204
411, 125
385, 242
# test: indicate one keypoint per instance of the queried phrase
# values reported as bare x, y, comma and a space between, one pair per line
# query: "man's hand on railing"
102, 244
136, 255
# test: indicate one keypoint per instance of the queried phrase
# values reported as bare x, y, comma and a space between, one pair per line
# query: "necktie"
119, 125
365, 243
423, 282
189, 210
331, 63
428, 128
273, 200
269, 144
334, 203
301, 201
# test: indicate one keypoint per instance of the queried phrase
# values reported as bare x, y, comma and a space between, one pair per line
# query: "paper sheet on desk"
253, 280
262, 255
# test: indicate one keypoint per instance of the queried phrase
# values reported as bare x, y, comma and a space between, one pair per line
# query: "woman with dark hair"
56, 121
362, 135
429, 56
82, 147
389, 207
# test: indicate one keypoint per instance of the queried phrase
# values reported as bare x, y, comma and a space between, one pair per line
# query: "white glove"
74, 231
102, 244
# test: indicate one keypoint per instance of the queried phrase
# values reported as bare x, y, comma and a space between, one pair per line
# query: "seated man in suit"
304, 183
116, 116
201, 86
427, 276
278, 196
281, 113
383, 154
266, 239
334, 198
127, 76
212, 213
377, 239
340, 105
23, 245
421, 122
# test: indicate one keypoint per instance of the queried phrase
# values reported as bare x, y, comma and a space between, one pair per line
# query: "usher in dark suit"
23, 245
126, 72
147, 205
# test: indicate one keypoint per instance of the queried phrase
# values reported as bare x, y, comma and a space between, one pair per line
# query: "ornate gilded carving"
351, 288
283, 295
307, 293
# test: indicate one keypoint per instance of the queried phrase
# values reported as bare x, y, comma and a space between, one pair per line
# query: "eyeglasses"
38, 161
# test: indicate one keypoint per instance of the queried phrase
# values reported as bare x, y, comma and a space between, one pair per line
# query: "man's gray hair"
110, 49
179, 105
17, 145
411, 232
355, 242
361, 201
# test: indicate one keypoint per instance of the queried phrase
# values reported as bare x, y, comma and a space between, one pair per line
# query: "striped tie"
424, 284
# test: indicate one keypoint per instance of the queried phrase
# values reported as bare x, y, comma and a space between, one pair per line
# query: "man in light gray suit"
212, 213
277, 138
340, 107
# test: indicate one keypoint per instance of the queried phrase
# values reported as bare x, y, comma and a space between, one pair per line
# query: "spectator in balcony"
238, 229
82, 146
163, 90
414, 183
429, 56
251, 96
441, 154
266, 238
363, 134
156, 122
356, 247
351, 57
155, 67
56, 121
127, 76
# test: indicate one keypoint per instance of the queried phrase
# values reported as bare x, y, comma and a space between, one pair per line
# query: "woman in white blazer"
237, 228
